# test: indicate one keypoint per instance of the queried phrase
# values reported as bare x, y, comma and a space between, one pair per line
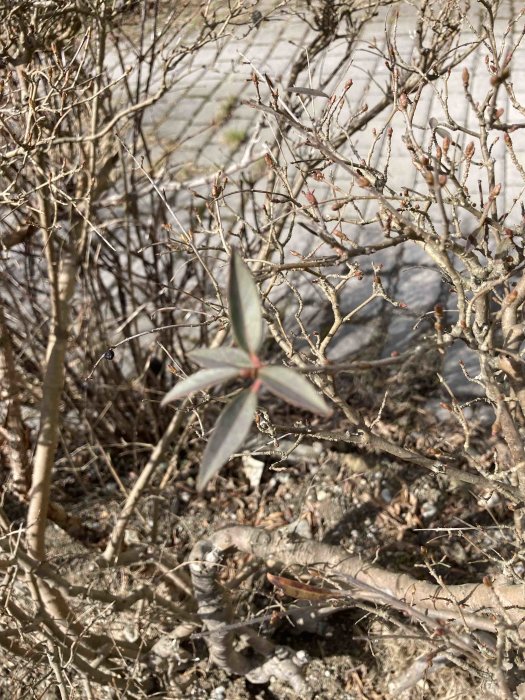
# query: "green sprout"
222, 364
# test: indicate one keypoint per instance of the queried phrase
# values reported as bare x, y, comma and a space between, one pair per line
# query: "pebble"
428, 510
386, 495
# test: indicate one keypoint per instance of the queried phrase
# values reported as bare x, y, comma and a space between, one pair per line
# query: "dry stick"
62, 289
50, 409
470, 603
81, 657
63, 263
45, 572
20, 235
54, 662
513, 332
115, 541
363, 437
11, 416
216, 612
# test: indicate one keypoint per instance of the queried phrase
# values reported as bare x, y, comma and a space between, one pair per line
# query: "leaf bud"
495, 191
469, 150
310, 197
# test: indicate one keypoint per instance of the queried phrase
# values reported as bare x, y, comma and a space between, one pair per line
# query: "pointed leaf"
221, 357
307, 91
294, 388
245, 306
202, 379
228, 435
303, 591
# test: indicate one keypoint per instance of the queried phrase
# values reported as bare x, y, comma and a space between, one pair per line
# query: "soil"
399, 516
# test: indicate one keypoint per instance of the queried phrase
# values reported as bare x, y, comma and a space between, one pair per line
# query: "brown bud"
268, 160
498, 113
446, 144
500, 78
363, 182
438, 310
465, 77
469, 150
511, 297
494, 192
507, 140
403, 101
439, 152
442, 179
310, 197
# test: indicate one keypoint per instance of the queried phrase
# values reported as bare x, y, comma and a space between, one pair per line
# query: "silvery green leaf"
229, 433
245, 306
202, 379
307, 91
293, 388
221, 357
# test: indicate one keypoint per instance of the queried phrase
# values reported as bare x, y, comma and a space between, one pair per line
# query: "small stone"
386, 495
428, 510
301, 657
